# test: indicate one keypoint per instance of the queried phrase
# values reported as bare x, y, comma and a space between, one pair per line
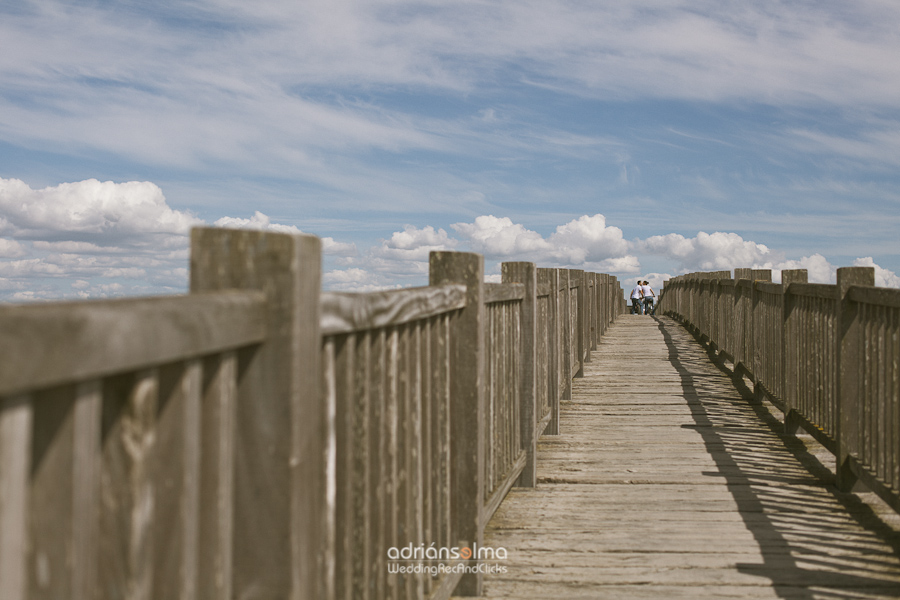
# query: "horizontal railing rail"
258, 437
347, 312
83, 340
827, 355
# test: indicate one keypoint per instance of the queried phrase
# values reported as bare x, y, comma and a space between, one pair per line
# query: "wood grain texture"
127, 487
530, 407
503, 292
667, 483
86, 481
216, 486
50, 506
352, 312
16, 417
467, 412
875, 295
815, 290
44, 345
284, 427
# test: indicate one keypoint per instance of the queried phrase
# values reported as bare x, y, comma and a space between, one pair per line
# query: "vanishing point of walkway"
667, 483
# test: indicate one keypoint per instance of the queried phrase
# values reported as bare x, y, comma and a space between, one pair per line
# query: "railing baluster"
216, 488
231, 456
16, 416
86, 487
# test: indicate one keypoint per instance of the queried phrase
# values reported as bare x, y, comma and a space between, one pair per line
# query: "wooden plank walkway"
667, 483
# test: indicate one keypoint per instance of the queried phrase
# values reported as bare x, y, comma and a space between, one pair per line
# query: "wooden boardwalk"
667, 483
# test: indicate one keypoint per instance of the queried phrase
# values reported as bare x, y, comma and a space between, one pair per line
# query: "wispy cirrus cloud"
221, 82
772, 121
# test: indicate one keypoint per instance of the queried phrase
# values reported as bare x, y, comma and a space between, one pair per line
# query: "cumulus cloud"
499, 237
356, 279
399, 259
883, 277
707, 251
818, 269
257, 221
90, 233
623, 265
262, 221
11, 249
587, 242
414, 243
96, 239
130, 213
587, 239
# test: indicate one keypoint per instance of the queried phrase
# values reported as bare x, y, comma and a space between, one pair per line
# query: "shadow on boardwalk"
669, 482
799, 547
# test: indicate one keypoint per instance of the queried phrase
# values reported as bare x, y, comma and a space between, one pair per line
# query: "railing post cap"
206, 231
847, 276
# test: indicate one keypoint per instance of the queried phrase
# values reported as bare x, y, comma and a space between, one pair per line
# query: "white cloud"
588, 238
403, 257
706, 252
818, 269
414, 243
584, 242
271, 87
262, 221
257, 221
623, 265
412, 238
131, 213
93, 239
11, 249
92, 230
883, 277
499, 237
355, 279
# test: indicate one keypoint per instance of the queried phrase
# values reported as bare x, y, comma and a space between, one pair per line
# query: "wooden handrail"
82, 340
503, 292
344, 312
819, 352
260, 436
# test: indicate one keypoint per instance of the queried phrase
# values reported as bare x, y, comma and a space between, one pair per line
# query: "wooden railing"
258, 438
828, 356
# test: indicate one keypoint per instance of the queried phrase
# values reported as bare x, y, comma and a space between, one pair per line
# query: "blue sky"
643, 138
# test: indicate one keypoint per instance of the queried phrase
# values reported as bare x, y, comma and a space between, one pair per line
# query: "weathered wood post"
757, 326
595, 310
565, 334
742, 319
526, 273
580, 318
603, 298
16, 416
554, 340
702, 322
467, 409
790, 354
588, 283
849, 357
718, 335
282, 519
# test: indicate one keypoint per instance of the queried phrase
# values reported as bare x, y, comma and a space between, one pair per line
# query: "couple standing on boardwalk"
642, 298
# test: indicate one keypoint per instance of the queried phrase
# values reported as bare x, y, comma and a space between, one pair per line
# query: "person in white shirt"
637, 295
649, 296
